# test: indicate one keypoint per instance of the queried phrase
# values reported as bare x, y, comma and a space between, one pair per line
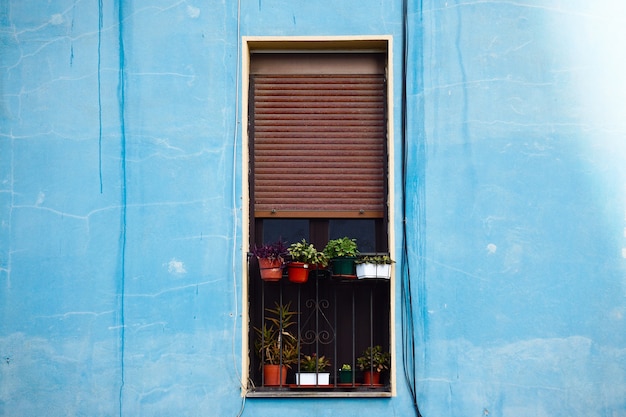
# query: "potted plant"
378, 266
275, 345
372, 362
342, 253
346, 374
271, 259
318, 260
304, 257
312, 370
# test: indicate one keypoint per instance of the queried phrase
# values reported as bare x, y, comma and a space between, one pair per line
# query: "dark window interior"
318, 199
370, 234
351, 315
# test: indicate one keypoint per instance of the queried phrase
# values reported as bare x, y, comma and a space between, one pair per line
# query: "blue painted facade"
120, 205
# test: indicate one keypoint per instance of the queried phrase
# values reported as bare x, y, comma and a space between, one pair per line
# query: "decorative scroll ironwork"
316, 327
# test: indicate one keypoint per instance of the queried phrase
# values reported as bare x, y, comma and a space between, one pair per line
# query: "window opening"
318, 171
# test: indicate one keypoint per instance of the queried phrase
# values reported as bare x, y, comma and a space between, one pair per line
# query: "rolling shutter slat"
318, 144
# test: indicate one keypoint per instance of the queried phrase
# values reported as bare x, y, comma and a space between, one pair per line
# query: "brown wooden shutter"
319, 138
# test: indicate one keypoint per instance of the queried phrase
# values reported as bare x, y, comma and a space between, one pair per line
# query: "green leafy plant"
342, 247
319, 259
305, 252
346, 367
274, 343
373, 358
313, 363
377, 259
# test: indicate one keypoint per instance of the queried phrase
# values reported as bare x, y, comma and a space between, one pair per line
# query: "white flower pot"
312, 378
364, 271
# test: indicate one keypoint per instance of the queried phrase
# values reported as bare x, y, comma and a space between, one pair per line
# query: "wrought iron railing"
335, 318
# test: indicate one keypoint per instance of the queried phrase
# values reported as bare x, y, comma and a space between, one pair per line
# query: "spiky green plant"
274, 343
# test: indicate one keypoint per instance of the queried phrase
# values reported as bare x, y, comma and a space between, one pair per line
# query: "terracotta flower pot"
273, 376
271, 270
298, 272
371, 378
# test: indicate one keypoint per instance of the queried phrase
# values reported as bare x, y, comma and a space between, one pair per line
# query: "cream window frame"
372, 43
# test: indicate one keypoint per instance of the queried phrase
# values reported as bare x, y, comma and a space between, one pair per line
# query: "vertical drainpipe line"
407, 332
408, 325
100, 93
122, 108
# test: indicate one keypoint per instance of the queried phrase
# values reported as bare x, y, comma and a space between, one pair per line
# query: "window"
317, 168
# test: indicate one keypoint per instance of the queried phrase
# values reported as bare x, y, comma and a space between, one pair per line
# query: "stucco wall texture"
121, 197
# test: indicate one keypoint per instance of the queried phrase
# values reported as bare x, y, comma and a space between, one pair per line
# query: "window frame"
373, 43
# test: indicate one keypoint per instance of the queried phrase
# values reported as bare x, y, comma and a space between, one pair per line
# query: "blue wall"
120, 198
522, 215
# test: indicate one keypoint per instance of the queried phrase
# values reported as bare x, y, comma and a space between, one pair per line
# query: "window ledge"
287, 393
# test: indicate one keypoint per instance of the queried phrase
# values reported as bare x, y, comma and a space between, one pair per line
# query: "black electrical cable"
408, 329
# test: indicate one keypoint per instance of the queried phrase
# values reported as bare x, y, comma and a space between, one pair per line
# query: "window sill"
320, 392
